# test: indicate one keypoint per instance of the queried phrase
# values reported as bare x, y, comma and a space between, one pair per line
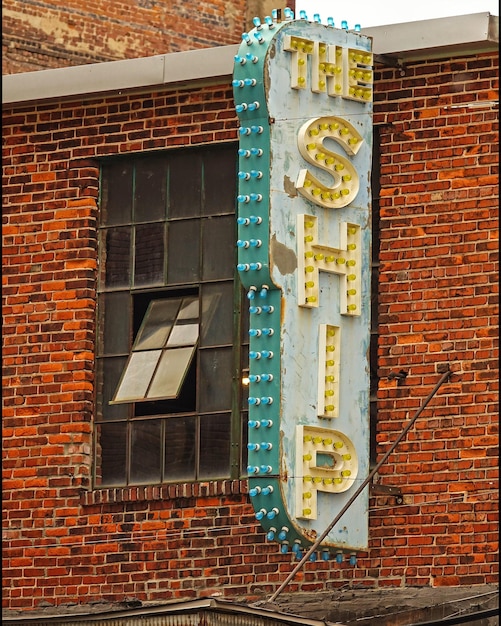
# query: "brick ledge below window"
164, 492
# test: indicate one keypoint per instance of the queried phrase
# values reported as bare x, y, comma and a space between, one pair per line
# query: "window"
169, 345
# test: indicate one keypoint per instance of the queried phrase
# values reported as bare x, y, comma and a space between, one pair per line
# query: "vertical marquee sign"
303, 94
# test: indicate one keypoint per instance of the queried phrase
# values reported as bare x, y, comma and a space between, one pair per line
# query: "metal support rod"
319, 540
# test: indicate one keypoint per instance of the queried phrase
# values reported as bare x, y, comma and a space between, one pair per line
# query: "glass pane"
215, 441
116, 193
137, 376
215, 380
219, 248
220, 175
244, 453
108, 375
217, 314
180, 444
183, 335
185, 184
111, 454
149, 255
189, 309
117, 259
171, 372
183, 257
157, 323
150, 189
146, 452
114, 323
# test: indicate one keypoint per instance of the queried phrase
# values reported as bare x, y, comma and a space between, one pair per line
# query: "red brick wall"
46, 35
438, 287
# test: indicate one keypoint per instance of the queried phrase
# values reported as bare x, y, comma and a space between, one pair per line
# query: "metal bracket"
387, 490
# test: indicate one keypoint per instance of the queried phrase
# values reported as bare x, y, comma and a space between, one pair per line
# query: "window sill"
113, 495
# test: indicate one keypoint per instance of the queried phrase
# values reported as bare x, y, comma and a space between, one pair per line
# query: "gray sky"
376, 13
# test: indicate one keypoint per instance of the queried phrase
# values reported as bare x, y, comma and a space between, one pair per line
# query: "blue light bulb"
283, 533
344, 24
257, 22
330, 21
316, 18
284, 548
270, 535
353, 559
325, 555
302, 15
358, 28
313, 557
339, 557
246, 38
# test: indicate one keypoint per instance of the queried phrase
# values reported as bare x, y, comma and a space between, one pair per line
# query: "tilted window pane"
183, 335
189, 309
149, 255
116, 193
185, 185
158, 321
217, 314
112, 454
215, 440
137, 376
183, 257
180, 447
146, 452
215, 380
117, 257
150, 190
171, 372
219, 250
